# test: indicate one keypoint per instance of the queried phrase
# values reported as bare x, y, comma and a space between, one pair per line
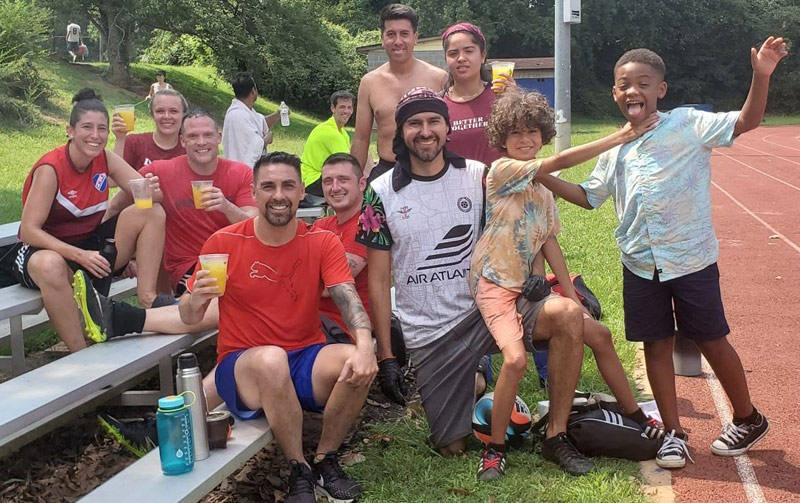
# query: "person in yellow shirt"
326, 139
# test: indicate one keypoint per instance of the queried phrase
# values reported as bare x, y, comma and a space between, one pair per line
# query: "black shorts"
692, 302
94, 242
180, 288
72, 46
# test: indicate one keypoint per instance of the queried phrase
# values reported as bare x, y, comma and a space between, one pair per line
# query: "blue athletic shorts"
301, 361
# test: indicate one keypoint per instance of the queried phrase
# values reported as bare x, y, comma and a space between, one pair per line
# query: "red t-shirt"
141, 150
187, 227
272, 294
81, 198
468, 123
346, 233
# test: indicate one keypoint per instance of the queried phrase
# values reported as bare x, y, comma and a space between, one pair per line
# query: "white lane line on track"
752, 488
767, 153
795, 187
766, 138
759, 219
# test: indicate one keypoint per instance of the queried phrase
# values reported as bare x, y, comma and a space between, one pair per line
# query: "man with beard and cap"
272, 357
420, 221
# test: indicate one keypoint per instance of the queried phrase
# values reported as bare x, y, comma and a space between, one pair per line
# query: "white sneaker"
673, 451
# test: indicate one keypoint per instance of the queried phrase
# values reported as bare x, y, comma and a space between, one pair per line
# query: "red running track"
756, 208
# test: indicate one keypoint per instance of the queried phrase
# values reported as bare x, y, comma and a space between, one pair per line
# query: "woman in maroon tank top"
469, 94
64, 220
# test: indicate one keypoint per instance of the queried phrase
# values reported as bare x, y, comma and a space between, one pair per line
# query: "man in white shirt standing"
73, 40
245, 132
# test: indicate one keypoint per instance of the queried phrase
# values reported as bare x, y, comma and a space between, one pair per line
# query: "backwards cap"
417, 100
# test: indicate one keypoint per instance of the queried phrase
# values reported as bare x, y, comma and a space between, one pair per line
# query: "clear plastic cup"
127, 114
500, 67
197, 192
217, 265
142, 193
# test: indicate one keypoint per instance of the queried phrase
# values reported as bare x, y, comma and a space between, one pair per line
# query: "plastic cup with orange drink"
127, 115
217, 265
198, 192
142, 193
499, 68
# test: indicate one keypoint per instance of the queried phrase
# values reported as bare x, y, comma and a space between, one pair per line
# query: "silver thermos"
189, 378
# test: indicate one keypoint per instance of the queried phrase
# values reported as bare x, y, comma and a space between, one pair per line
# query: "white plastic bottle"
284, 114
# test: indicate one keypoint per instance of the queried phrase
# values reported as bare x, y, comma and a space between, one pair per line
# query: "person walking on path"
74, 40
661, 185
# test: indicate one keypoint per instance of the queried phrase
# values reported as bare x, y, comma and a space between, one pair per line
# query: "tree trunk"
116, 43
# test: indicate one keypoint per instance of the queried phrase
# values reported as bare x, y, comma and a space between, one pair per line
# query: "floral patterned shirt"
661, 185
520, 215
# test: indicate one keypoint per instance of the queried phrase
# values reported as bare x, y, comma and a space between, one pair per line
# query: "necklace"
461, 99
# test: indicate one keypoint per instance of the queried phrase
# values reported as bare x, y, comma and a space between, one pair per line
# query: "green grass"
782, 120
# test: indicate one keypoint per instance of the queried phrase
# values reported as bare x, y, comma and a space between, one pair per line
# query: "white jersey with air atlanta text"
433, 227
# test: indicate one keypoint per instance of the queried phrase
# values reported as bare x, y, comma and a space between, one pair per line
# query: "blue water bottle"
175, 444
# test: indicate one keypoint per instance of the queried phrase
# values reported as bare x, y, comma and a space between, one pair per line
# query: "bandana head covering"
464, 27
417, 100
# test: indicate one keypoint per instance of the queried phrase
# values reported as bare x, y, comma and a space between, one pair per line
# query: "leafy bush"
23, 34
168, 48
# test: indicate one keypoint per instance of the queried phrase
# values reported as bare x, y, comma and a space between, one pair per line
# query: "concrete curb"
656, 482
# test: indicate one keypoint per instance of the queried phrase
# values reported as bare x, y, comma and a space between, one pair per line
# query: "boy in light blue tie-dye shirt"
660, 183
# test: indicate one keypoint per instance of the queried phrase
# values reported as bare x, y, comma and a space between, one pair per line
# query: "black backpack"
585, 295
598, 428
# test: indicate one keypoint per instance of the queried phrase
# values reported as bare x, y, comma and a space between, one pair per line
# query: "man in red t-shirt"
140, 149
228, 200
272, 356
343, 183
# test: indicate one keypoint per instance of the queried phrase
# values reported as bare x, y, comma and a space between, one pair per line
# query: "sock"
127, 319
752, 418
637, 416
163, 299
498, 448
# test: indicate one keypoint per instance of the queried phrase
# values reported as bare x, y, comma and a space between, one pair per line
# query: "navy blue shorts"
696, 299
301, 362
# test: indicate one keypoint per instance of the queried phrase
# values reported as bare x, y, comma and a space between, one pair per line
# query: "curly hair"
518, 111
645, 56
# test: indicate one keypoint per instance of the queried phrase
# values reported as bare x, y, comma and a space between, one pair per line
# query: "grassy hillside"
21, 146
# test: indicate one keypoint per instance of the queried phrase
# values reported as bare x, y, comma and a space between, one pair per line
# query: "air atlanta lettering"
443, 275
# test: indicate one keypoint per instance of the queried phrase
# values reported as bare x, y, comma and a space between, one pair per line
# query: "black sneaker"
139, 435
739, 438
333, 482
95, 308
560, 450
673, 451
492, 465
301, 484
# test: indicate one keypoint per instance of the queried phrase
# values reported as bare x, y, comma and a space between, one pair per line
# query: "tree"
116, 20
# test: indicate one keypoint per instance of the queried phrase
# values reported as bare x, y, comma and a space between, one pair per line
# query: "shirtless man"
380, 90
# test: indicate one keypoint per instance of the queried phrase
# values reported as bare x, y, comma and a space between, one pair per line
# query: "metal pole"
563, 106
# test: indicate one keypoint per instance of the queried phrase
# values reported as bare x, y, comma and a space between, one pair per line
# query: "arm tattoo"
353, 266
346, 299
